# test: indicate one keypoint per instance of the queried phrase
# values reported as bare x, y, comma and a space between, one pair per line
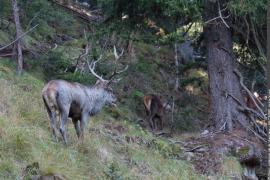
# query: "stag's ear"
102, 83
108, 88
98, 82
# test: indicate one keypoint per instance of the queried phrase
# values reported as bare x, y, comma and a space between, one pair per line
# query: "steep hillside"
118, 143
114, 148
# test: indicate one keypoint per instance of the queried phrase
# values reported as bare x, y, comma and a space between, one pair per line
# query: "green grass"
25, 138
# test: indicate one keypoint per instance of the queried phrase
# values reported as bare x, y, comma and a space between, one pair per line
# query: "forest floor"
114, 148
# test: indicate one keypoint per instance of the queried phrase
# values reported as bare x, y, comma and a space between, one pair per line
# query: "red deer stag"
74, 100
155, 111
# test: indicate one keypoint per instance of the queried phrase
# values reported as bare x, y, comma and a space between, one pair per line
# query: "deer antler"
116, 55
115, 72
118, 72
92, 67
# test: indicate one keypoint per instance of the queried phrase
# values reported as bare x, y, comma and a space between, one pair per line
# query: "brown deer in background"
255, 102
77, 101
155, 111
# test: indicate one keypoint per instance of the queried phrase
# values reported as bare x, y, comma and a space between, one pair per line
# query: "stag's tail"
50, 99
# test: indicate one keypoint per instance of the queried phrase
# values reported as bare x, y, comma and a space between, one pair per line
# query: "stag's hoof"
55, 139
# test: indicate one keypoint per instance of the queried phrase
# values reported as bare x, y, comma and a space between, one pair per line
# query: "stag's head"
103, 84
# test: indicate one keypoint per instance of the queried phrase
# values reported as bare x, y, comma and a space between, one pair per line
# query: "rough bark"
177, 59
223, 82
18, 34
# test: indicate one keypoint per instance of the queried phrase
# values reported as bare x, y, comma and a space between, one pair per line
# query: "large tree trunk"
224, 84
18, 33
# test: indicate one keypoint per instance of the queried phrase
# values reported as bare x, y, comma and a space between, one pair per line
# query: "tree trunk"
177, 59
18, 33
223, 82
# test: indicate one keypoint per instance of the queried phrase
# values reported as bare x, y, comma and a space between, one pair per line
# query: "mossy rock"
243, 151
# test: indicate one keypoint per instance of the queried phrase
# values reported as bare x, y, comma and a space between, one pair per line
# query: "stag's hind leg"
159, 123
53, 124
52, 116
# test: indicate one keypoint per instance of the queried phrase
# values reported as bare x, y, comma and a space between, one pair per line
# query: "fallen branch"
254, 121
245, 108
176, 142
161, 133
255, 133
196, 148
249, 93
18, 38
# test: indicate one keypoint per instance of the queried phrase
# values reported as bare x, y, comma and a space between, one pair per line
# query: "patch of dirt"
207, 151
118, 128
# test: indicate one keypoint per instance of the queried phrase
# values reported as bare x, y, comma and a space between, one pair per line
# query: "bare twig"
176, 142
247, 39
220, 16
18, 38
55, 46
34, 17
195, 148
222, 128
85, 53
258, 44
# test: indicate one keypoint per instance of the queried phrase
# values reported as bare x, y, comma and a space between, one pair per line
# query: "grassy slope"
25, 139
114, 148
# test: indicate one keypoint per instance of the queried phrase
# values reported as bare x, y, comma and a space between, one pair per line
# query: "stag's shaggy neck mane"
97, 99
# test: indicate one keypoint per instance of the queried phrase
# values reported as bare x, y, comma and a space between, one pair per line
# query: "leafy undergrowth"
114, 147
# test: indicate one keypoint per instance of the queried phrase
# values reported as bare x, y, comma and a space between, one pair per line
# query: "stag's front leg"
77, 127
161, 123
83, 123
64, 118
151, 122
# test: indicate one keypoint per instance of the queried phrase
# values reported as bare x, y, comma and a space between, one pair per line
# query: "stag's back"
153, 105
60, 91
